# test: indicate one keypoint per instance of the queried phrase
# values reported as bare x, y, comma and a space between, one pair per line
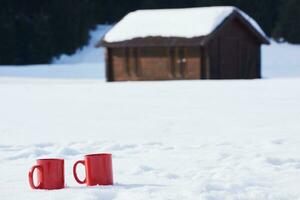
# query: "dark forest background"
34, 31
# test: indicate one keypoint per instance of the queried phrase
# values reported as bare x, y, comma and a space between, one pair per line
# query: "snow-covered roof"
185, 23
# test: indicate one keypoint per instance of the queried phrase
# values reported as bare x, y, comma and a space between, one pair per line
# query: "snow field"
170, 140
260, 170
227, 173
208, 140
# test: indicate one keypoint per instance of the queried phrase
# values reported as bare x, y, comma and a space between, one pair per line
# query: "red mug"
98, 169
50, 174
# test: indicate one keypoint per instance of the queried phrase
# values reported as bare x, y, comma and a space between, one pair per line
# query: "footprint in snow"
278, 142
168, 148
280, 161
223, 156
66, 151
142, 169
119, 147
44, 145
172, 176
28, 153
4, 146
153, 144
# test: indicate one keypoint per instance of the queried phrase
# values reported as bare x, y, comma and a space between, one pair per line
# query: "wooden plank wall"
156, 63
234, 53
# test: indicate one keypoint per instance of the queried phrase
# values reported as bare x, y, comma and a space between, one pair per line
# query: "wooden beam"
259, 63
109, 65
203, 72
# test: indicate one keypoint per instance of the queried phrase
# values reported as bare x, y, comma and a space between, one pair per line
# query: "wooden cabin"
182, 44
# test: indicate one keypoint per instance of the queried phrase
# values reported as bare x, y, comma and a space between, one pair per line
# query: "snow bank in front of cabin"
187, 23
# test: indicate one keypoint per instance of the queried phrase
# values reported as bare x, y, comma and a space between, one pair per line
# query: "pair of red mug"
50, 172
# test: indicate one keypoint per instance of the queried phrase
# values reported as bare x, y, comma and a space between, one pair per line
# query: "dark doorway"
229, 58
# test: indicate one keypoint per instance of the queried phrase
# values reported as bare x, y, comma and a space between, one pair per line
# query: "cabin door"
229, 58
178, 62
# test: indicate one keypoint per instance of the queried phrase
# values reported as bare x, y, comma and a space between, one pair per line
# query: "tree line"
34, 31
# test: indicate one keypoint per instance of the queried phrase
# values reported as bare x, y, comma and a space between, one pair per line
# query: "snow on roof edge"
253, 23
161, 23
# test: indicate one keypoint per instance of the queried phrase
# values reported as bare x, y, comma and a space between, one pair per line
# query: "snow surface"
281, 60
210, 140
186, 23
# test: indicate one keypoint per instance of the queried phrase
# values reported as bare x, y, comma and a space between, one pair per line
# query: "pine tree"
34, 31
288, 26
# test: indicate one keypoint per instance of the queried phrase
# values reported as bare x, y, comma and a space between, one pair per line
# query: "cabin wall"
118, 66
155, 63
193, 63
234, 53
108, 63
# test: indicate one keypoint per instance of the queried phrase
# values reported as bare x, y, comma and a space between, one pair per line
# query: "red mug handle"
30, 177
75, 173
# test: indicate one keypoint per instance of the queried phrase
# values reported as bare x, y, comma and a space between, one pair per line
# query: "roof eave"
101, 43
172, 41
153, 42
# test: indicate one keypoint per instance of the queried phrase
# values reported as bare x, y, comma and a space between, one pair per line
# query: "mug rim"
98, 154
50, 159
